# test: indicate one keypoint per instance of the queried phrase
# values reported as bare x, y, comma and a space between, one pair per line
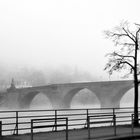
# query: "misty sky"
57, 33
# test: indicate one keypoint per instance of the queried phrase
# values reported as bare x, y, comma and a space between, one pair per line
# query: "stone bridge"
109, 94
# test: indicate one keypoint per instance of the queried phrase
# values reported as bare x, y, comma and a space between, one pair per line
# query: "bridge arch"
41, 101
123, 93
117, 98
127, 99
26, 101
68, 98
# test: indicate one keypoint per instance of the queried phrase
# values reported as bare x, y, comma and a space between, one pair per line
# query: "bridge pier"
59, 104
11, 101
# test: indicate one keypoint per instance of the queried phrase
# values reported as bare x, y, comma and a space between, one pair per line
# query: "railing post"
132, 123
66, 128
88, 126
113, 111
16, 122
87, 116
114, 122
0, 128
31, 129
55, 120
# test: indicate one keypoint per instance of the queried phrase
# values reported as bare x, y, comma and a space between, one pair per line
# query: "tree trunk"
136, 121
136, 91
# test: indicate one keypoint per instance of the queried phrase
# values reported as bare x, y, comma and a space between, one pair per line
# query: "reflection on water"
74, 106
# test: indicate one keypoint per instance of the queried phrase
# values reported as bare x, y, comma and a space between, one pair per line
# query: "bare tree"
125, 57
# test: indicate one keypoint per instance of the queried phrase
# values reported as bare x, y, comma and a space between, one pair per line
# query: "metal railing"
56, 120
0, 129
19, 122
101, 119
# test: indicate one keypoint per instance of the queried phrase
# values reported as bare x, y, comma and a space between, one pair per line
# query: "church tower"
12, 87
13, 84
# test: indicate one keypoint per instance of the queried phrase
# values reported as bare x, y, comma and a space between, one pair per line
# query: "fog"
47, 35
26, 77
59, 41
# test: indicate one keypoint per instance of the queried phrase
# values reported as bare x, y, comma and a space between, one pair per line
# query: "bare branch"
124, 56
127, 44
117, 64
117, 34
137, 32
137, 24
131, 33
126, 62
127, 34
